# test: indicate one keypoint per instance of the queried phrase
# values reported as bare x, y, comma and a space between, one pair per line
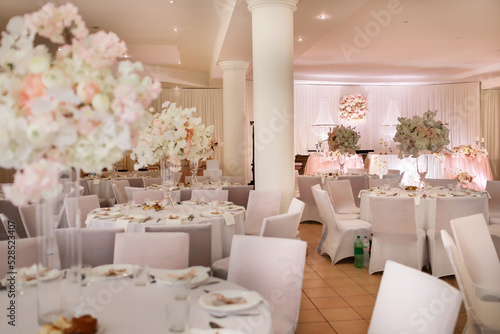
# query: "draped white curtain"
490, 119
457, 104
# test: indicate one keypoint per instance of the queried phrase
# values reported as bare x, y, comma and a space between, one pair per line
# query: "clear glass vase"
422, 162
342, 160
193, 166
59, 274
167, 170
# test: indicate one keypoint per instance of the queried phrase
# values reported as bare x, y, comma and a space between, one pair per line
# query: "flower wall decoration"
421, 134
76, 107
175, 134
343, 140
353, 108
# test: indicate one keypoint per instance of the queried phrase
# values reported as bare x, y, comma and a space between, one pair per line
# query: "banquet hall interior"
274, 80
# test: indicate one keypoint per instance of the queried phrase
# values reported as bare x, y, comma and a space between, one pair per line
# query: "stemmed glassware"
380, 142
422, 168
385, 144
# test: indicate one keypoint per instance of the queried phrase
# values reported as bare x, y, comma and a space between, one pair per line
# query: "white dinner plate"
100, 271
214, 331
103, 210
209, 301
134, 218
212, 213
225, 203
107, 214
233, 208
31, 273
165, 276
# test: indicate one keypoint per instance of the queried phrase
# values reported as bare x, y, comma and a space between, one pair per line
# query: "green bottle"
358, 253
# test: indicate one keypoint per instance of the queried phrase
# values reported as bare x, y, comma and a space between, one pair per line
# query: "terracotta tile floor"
338, 298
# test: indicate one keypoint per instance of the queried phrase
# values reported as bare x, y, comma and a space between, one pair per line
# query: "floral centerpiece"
464, 178
176, 135
469, 151
79, 107
421, 134
353, 108
343, 140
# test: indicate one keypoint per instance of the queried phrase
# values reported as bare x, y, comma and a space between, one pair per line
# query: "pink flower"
102, 50
32, 87
86, 91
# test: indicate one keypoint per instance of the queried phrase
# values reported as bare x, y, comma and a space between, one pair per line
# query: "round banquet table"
121, 307
223, 228
425, 206
314, 164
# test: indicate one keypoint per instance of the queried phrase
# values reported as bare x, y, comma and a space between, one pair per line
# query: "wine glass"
380, 141
385, 144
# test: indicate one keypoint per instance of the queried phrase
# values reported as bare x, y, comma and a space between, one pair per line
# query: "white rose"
100, 102
39, 63
54, 77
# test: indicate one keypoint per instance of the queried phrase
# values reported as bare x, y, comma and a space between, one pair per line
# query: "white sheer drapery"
490, 119
457, 104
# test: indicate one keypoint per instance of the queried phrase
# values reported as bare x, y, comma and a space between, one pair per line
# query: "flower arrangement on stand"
353, 108
342, 142
79, 108
68, 108
464, 178
421, 135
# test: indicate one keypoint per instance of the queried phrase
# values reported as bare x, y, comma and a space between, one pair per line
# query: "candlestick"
477, 138
482, 140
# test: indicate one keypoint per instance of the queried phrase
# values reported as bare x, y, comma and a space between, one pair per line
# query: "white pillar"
272, 39
234, 120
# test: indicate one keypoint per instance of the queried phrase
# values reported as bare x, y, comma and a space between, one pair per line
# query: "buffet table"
315, 163
121, 307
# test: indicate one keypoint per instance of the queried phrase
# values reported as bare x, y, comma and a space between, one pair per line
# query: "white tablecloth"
222, 233
425, 207
121, 307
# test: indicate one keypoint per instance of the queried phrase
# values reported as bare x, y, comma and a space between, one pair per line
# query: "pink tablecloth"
314, 164
477, 167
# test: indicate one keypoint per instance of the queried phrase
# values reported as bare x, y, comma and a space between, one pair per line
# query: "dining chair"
233, 179
118, 187
274, 267
133, 181
393, 172
338, 235
28, 217
214, 174
493, 189
26, 254
261, 204
8, 230
201, 179
238, 195
130, 192
296, 176
140, 197
166, 250
311, 210
86, 189
478, 254
212, 164
149, 181
200, 241
392, 182
209, 195
358, 171
97, 245
358, 183
395, 234
494, 230
342, 198
12, 211
448, 208
441, 182
397, 306
84, 203
482, 316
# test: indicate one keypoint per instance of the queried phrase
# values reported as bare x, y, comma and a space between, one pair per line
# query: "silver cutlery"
203, 284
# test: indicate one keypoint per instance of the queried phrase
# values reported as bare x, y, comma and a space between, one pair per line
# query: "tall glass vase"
342, 160
193, 166
422, 167
168, 181
59, 273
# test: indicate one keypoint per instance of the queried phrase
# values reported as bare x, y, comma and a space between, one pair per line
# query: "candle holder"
477, 143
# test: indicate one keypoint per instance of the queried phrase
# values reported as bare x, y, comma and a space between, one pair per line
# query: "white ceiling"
420, 42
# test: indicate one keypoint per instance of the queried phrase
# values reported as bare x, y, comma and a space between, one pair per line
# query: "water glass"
177, 307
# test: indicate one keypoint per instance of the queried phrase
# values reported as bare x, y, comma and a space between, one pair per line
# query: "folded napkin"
90, 216
229, 218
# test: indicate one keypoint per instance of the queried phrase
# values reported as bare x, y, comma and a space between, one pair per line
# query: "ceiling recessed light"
300, 39
176, 29
172, 1
323, 17
179, 62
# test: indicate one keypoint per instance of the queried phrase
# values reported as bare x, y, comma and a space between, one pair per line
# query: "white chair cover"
296, 205
130, 192
311, 210
482, 316
214, 174
98, 245
7, 232
233, 179
395, 235
338, 235
495, 236
28, 217
154, 195
201, 179
239, 194
209, 195
359, 171
403, 292
393, 172
26, 254
12, 211
493, 188
478, 255
85, 203
392, 182
271, 266
441, 182
149, 181
448, 208
342, 197
200, 241
119, 190
281, 226
212, 164
358, 183
86, 189
261, 204
166, 250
